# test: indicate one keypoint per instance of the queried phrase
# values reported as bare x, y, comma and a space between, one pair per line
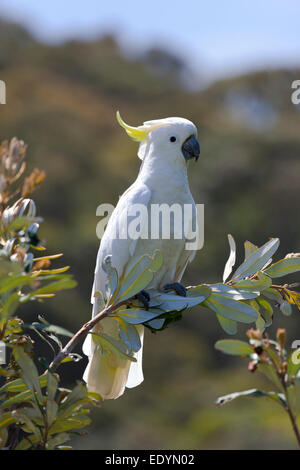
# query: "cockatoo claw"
177, 287
144, 297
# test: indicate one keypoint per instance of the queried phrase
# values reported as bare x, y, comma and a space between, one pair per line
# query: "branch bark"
81, 334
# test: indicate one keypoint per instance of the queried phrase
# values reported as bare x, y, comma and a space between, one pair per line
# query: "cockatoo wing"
98, 373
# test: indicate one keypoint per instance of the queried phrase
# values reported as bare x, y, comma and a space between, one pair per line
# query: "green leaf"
6, 419
51, 385
268, 310
231, 260
57, 440
78, 393
257, 260
55, 287
268, 371
19, 398
286, 308
129, 335
234, 347
250, 248
138, 277
273, 294
51, 411
232, 293
18, 385
29, 372
107, 343
229, 326
200, 292
58, 330
9, 307
77, 421
156, 324
229, 308
136, 316
283, 267
254, 285
254, 392
28, 425
14, 281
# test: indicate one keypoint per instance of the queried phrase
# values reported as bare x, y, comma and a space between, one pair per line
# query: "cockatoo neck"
160, 167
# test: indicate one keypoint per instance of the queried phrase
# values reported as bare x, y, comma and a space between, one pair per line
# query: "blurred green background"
61, 100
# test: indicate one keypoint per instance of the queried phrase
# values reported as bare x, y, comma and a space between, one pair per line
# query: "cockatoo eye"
173, 138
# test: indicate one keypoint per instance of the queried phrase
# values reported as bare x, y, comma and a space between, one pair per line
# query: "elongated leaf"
156, 324
273, 294
250, 248
286, 308
129, 335
78, 393
229, 326
14, 281
6, 419
29, 371
231, 260
234, 347
57, 440
55, 287
46, 272
52, 385
254, 392
254, 285
268, 371
229, 308
257, 260
75, 422
17, 385
201, 292
19, 398
136, 316
232, 293
9, 307
58, 330
28, 425
138, 277
107, 343
51, 411
267, 310
283, 267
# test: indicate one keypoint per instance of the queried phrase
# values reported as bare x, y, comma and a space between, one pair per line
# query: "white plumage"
162, 179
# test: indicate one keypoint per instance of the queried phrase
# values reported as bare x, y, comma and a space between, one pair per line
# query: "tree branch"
81, 334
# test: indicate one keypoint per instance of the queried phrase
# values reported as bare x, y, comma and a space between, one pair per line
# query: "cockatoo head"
173, 136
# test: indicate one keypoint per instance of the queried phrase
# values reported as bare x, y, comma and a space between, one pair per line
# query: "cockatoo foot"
177, 287
144, 297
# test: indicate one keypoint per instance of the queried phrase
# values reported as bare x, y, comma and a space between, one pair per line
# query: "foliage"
271, 359
245, 298
35, 412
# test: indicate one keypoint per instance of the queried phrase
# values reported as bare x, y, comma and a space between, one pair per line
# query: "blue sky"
217, 38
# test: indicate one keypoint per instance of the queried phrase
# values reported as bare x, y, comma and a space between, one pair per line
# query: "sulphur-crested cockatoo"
166, 146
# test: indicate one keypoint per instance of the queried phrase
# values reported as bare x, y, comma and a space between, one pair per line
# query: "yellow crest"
136, 133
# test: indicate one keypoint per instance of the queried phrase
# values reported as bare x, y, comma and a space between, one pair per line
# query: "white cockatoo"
166, 146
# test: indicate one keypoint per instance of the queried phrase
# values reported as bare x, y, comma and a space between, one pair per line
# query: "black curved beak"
191, 148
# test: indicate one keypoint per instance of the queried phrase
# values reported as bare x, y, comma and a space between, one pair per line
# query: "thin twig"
81, 334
